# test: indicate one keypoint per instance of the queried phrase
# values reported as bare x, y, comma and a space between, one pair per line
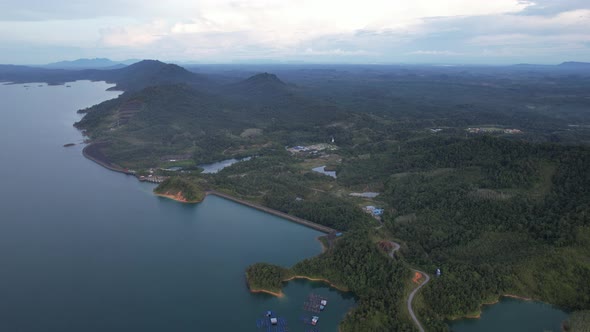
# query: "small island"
180, 190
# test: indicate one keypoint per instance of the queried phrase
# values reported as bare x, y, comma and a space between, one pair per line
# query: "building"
373, 210
370, 208
378, 212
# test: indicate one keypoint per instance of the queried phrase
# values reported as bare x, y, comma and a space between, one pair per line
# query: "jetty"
307, 223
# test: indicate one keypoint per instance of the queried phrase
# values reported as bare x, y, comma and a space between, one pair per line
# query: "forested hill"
130, 78
149, 73
181, 119
261, 85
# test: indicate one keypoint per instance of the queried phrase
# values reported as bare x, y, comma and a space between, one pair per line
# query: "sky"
294, 31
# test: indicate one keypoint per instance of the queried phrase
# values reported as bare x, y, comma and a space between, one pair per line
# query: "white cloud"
567, 30
433, 52
286, 23
337, 51
525, 39
134, 35
371, 30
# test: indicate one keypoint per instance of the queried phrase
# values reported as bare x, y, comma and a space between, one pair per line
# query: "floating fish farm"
314, 303
271, 323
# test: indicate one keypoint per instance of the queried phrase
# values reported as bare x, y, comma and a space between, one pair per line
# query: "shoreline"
177, 198
301, 221
102, 163
307, 223
326, 281
324, 248
279, 295
477, 315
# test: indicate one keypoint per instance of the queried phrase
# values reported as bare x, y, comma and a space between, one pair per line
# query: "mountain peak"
265, 78
153, 72
264, 85
147, 63
156, 66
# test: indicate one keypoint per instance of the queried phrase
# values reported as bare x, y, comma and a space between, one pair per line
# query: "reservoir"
86, 249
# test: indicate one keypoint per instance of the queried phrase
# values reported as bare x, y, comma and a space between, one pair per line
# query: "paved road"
411, 298
396, 247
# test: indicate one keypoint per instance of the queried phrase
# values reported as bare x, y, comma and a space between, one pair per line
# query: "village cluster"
480, 130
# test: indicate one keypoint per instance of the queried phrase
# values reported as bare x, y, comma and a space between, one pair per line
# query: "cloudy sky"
313, 31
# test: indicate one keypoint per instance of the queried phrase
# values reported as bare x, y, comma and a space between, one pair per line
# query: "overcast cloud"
317, 31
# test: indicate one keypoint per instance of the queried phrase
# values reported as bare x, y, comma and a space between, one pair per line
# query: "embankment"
92, 152
300, 221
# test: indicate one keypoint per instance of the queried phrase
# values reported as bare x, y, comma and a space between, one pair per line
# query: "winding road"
395, 248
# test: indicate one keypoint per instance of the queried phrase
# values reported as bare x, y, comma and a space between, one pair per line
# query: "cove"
86, 249
513, 315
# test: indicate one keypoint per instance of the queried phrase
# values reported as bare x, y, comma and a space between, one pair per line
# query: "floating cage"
315, 303
271, 323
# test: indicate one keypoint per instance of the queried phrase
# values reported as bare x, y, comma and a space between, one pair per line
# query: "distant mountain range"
575, 64
96, 63
566, 65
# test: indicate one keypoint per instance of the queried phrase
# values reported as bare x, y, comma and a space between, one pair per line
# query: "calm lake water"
218, 166
511, 315
322, 170
86, 249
